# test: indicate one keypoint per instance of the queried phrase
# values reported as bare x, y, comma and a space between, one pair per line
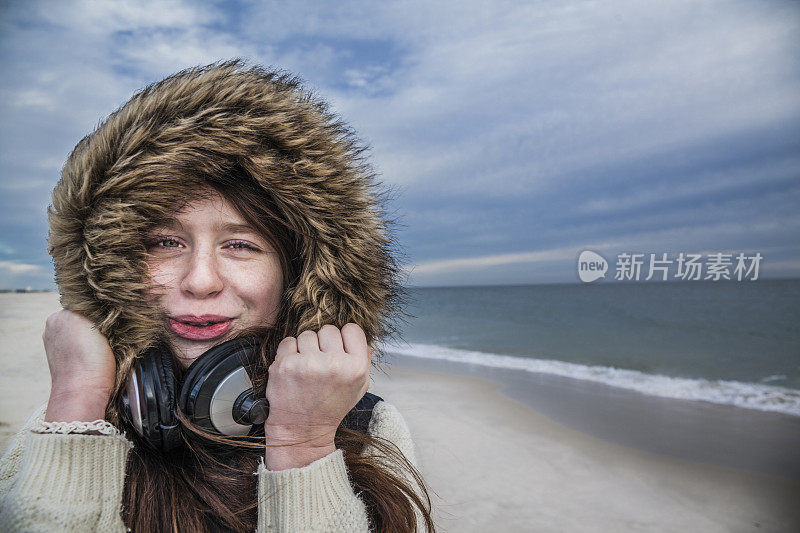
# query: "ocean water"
725, 342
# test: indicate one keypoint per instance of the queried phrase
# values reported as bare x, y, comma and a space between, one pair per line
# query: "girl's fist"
82, 368
315, 380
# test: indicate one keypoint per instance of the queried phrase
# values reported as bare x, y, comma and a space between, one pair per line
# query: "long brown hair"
208, 484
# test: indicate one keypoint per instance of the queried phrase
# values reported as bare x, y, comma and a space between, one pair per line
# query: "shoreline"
760, 396
698, 431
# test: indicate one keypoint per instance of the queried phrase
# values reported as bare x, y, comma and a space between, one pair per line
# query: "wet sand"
722, 435
496, 464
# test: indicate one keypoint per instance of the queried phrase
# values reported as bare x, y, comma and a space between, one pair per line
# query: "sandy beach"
498, 465
500, 459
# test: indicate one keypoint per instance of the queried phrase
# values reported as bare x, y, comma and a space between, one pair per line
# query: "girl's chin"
187, 353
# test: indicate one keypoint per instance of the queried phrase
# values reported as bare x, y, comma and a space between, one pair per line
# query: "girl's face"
214, 275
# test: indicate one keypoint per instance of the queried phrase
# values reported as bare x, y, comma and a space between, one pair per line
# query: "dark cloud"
515, 135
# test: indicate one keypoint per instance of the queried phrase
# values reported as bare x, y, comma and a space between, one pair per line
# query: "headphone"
215, 394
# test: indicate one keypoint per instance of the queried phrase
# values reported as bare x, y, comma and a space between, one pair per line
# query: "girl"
221, 203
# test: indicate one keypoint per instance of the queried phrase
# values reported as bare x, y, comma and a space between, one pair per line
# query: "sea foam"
747, 395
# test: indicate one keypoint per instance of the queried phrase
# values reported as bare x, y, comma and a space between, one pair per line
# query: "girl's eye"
165, 242
241, 245
168, 243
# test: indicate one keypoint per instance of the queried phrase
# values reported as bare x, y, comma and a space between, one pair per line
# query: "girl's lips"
217, 326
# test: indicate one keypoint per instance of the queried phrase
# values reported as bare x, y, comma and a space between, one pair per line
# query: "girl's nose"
202, 277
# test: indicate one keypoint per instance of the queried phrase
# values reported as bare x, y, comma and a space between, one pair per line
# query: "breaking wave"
747, 395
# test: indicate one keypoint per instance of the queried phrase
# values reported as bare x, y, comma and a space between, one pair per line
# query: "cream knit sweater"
73, 482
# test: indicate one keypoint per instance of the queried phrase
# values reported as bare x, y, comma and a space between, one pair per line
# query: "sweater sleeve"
55, 482
319, 496
74, 482
9, 463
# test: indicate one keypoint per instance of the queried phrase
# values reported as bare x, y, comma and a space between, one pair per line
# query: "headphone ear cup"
165, 389
213, 384
149, 399
133, 399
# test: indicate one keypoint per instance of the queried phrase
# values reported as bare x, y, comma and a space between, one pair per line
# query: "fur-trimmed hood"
223, 118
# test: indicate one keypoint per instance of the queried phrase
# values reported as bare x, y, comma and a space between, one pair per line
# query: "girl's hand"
313, 383
82, 368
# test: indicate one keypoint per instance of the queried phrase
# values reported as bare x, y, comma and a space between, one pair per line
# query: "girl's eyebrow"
169, 223
234, 227
228, 226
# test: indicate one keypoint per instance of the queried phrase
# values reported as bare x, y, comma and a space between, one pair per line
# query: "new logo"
591, 266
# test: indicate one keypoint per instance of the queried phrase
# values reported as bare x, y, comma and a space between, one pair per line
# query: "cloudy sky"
513, 135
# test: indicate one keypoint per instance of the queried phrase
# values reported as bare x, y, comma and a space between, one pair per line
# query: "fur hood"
233, 120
